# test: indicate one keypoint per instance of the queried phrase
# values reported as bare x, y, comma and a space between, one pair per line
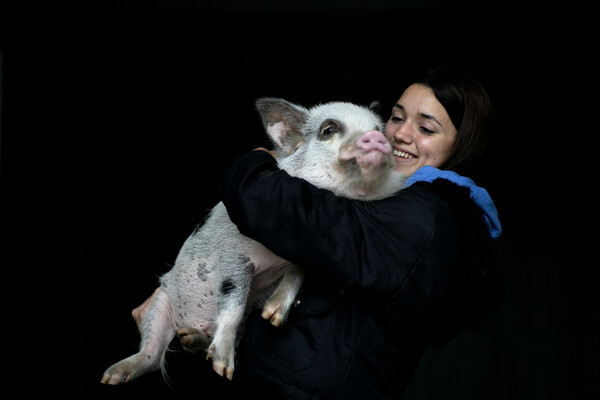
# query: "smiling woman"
460, 104
377, 290
420, 130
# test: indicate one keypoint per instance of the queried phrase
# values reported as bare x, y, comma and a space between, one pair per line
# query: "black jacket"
383, 279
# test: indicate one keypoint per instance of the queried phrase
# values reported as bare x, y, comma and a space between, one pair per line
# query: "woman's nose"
403, 134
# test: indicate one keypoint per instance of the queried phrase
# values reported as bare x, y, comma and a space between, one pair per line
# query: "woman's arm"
367, 245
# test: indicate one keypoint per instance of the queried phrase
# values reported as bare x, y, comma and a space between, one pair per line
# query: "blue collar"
479, 195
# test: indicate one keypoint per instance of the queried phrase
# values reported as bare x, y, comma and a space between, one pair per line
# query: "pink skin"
368, 150
420, 131
373, 145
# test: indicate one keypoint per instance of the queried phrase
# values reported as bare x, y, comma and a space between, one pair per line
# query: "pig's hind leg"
139, 312
277, 307
157, 330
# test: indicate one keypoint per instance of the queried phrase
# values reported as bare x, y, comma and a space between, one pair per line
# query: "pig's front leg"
234, 287
277, 307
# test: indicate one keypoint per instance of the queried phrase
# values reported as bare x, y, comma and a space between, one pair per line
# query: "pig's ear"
283, 121
375, 106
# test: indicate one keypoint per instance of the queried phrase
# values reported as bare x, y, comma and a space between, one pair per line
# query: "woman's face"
420, 130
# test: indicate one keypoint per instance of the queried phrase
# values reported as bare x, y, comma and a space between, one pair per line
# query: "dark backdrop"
118, 125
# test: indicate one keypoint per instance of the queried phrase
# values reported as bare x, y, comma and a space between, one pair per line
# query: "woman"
383, 278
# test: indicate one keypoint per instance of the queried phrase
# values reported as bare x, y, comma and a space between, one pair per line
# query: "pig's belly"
193, 298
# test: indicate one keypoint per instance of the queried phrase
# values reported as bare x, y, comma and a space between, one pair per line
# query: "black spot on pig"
202, 272
227, 286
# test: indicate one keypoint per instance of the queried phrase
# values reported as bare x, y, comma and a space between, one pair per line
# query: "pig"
220, 275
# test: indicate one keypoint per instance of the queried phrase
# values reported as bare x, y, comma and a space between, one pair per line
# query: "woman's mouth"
402, 154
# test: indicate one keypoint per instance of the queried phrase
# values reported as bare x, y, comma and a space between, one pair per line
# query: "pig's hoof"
272, 316
223, 370
129, 368
193, 340
210, 353
223, 361
275, 312
119, 373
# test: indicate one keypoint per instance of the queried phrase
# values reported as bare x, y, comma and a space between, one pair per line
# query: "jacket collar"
478, 194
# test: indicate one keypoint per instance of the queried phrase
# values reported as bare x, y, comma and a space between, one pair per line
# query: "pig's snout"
364, 162
370, 149
373, 140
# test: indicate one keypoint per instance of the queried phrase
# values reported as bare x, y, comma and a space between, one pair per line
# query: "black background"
118, 123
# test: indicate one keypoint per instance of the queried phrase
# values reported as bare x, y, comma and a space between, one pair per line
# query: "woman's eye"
397, 119
426, 130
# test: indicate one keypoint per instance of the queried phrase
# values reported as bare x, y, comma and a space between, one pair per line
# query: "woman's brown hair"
470, 110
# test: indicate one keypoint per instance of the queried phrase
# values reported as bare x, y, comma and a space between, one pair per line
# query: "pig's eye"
327, 132
329, 128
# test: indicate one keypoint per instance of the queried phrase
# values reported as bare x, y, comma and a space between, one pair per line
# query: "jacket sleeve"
371, 246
